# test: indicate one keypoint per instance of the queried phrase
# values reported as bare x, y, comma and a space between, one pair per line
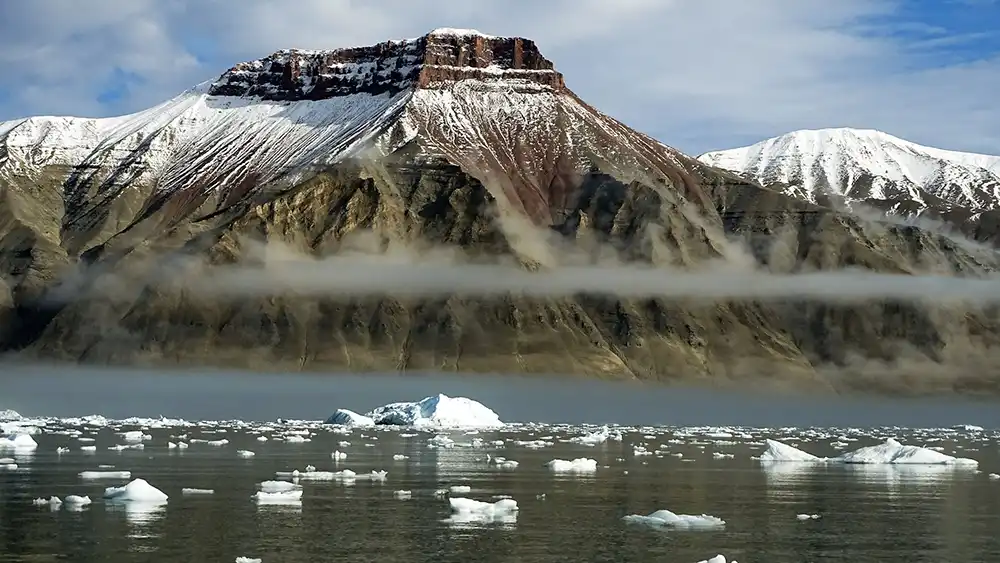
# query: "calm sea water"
867, 515
870, 514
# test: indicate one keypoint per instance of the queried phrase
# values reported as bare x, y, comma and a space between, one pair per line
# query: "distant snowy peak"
443, 55
867, 165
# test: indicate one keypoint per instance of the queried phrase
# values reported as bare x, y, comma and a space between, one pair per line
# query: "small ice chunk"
400, 457
378, 475
717, 559
261, 438
279, 497
721, 455
459, 489
88, 448
252, 560
666, 518
135, 436
403, 495
277, 486
338, 456
578, 465
51, 501
245, 453
994, 476
93, 475
77, 500
808, 516
188, 491
218, 443
171, 446
467, 510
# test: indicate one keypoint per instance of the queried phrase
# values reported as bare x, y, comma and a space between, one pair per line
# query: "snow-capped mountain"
868, 166
492, 105
117, 234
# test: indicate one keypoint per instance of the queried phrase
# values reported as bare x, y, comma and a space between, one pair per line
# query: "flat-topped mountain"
455, 141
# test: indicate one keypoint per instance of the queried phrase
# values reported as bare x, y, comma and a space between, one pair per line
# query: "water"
868, 514
223, 395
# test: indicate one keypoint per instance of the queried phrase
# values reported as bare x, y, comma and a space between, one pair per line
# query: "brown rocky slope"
478, 147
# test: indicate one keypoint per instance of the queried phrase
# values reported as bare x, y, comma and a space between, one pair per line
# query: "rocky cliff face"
443, 56
479, 151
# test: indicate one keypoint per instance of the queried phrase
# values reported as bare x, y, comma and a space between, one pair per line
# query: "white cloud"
696, 74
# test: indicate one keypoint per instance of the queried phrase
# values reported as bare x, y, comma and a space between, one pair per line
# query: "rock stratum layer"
112, 231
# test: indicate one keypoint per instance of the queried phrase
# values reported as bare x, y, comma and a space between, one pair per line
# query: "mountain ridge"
864, 164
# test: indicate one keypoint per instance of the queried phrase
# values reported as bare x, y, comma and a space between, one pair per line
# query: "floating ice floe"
18, 442
596, 438
665, 518
245, 453
891, 452
994, 476
252, 560
437, 411
277, 486
95, 475
190, 491
470, 511
807, 516
51, 501
717, 559
578, 465
77, 500
137, 490
290, 497
403, 495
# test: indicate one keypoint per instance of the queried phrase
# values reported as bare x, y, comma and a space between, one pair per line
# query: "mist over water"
223, 395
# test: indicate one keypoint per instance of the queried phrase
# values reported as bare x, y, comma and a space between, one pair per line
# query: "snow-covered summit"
457, 96
864, 164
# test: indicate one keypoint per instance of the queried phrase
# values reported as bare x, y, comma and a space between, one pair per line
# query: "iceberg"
890, 452
779, 452
667, 519
7, 415
346, 417
437, 411
18, 442
138, 490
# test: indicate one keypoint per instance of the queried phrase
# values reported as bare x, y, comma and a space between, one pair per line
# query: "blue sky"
697, 74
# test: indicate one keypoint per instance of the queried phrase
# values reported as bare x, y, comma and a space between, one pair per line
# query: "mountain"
207, 231
849, 166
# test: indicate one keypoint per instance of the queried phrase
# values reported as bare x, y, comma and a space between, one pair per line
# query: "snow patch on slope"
198, 139
837, 160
